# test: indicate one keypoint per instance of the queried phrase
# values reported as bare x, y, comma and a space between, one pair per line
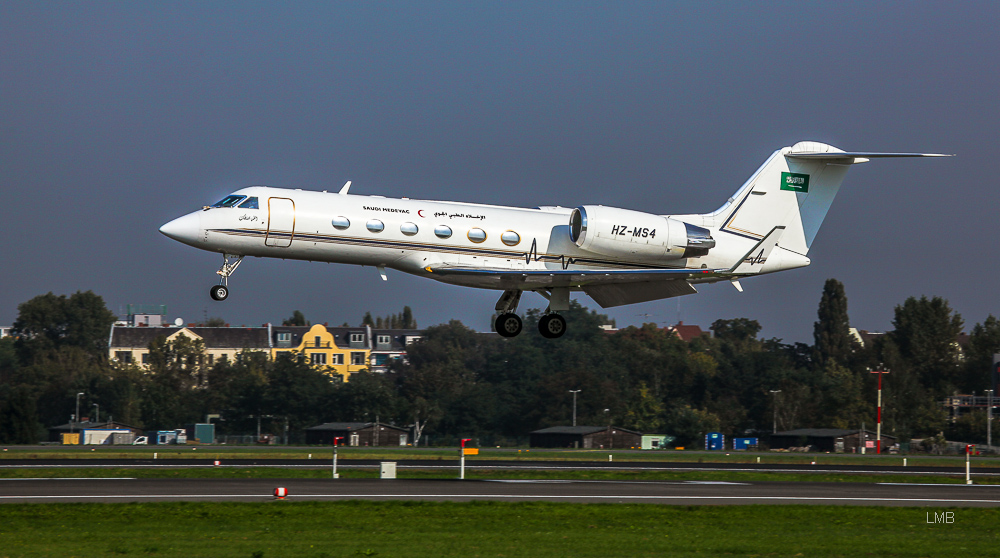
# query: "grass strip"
212, 452
479, 474
496, 529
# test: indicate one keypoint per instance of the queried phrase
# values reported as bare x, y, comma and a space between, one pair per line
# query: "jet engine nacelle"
610, 231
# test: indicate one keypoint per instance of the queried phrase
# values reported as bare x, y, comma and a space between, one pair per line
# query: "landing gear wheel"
219, 292
552, 326
508, 324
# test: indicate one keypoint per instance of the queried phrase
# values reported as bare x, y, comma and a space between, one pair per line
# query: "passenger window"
375, 225
251, 203
477, 235
341, 223
510, 238
409, 229
443, 231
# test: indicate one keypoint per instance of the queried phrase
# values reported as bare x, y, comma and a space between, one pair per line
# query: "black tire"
219, 292
552, 326
508, 325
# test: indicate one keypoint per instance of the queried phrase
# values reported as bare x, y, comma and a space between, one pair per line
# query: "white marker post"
335, 475
968, 452
461, 459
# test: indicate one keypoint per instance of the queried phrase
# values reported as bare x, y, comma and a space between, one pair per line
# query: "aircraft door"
280, 222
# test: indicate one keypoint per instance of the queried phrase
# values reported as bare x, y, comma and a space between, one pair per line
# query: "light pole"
774, 426
97, 413
76, 417
574, 392
878, 427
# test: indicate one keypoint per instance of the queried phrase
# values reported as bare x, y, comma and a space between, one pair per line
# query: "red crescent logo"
420, 212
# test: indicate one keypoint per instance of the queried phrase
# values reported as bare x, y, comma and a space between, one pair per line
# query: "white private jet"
616, 256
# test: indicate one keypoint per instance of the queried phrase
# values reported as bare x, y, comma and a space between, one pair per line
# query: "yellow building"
335, 350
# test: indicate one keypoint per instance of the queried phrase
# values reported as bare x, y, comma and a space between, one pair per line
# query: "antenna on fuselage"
343, 191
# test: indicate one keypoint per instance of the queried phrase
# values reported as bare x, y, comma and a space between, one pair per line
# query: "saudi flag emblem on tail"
795, 182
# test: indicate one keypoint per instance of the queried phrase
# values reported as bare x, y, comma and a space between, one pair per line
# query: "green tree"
984, 342
215, 322
367, 320
926, 336
831, 332
49, 322
297, 319
18, 416
739, 330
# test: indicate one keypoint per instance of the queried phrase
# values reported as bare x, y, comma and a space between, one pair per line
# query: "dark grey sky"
117, 117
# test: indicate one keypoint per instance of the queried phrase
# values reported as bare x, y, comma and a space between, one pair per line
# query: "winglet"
343, 191
752, 262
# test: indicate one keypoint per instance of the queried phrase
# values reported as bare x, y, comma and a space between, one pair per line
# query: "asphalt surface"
672, 493
500, 465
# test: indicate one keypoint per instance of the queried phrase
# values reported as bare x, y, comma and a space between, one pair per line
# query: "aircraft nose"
183, 229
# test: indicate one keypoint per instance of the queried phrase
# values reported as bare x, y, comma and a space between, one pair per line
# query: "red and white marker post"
280, 493
878, 428
461, 460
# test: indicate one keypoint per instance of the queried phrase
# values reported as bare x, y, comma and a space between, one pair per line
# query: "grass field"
494, 474
392, 454
417, 529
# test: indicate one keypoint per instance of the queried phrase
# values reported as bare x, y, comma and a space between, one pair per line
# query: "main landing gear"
508, 324
221, 292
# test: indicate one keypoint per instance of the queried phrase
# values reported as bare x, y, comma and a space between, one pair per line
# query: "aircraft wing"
608, 287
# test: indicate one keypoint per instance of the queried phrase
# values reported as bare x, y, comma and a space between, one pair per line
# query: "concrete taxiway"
671, 493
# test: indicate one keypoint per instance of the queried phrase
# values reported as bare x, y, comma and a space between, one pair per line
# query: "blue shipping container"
715, 441
744, 443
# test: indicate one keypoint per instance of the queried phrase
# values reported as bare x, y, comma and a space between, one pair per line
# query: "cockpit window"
229, 201
251, 203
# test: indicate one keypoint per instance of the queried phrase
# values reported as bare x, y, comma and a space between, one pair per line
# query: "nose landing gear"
221, 292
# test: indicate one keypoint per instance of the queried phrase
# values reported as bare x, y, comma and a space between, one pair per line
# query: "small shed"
357, 434
656, 441
588, 437
838, 440
56, 432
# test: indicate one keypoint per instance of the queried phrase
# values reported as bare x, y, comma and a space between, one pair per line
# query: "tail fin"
793, 189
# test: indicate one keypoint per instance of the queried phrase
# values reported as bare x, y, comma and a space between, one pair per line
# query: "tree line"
457, 382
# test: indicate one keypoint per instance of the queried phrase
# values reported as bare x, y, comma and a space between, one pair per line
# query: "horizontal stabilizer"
860, 155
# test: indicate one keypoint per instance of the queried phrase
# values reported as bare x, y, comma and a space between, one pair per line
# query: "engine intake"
624, 233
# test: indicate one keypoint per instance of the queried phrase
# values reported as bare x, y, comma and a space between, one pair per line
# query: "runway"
668, 493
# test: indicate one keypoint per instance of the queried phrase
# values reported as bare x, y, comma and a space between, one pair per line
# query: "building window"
384, 340
211, 359
357, 338
477, 235
316, 339
319, 359
409, 229
337, 359
357, 359
124, 357
284, 337
145, 358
